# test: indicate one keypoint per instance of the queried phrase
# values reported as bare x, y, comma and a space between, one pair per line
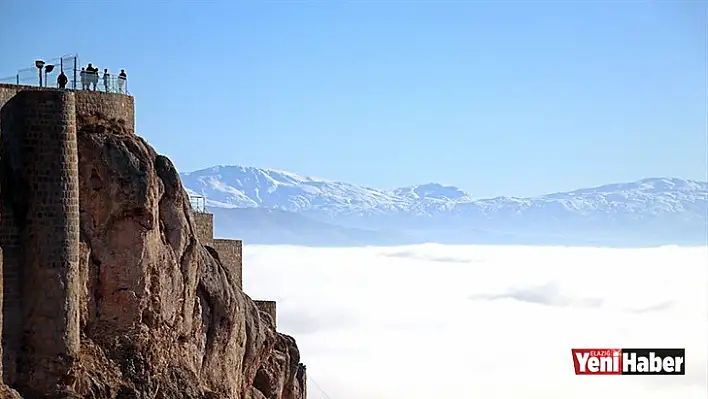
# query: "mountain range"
273, 206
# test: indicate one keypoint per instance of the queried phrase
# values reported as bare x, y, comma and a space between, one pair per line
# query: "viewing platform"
44, 73
79, 97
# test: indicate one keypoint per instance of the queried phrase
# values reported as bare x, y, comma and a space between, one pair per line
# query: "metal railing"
11, 80
198, 203
48, 74
102, 82
69, 64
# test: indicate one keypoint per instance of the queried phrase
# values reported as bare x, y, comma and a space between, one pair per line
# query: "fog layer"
484, 321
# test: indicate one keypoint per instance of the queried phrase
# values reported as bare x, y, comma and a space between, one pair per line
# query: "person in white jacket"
122, 78
84, 79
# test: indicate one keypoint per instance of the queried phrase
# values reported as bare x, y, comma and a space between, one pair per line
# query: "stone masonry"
39, 234
86, 103
204, 227
230, 253
268, 307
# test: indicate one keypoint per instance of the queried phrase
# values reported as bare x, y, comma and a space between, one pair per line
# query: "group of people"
90, 78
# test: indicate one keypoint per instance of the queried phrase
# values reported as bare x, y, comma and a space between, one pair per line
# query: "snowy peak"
432, 191
653, 210
652, 185
263, 175
245, 186
650, 196
250, 187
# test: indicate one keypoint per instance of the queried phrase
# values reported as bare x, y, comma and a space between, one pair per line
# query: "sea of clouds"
438, 321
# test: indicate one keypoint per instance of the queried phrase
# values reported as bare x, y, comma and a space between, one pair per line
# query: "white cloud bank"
436, 321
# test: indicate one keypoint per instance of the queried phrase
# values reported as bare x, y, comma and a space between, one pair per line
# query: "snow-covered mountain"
247, 187
654, 203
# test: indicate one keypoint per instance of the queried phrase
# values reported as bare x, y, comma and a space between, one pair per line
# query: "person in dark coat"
92, 73
62, 80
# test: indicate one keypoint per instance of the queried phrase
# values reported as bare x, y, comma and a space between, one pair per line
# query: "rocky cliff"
160, 315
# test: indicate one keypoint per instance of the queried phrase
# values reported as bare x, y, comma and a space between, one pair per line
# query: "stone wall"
230, 253
7, 92
302, 378
269, 307
110, 105
204, 227
1, 296
87, 103
40, 233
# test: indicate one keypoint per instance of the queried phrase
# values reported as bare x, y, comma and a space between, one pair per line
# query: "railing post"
75, 67
17, 77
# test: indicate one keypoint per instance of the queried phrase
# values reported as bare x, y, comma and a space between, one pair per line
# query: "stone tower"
40, 161
39, 227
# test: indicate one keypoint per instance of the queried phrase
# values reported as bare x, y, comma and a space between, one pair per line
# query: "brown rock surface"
160, 316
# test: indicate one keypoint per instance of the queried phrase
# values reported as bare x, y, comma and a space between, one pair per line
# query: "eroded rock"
160, 317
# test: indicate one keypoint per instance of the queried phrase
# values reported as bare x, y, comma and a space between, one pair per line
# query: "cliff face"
160, 316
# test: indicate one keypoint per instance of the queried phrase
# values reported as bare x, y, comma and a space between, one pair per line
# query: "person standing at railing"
84, 79
62, 80
89, 75
93, 76
106, 80
122, 78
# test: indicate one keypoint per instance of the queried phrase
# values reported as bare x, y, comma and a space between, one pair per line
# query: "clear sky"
498, 98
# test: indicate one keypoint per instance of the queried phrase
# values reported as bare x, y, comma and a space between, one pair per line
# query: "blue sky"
499, 98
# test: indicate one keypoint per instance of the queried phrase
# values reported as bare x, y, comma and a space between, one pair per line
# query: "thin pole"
75, 67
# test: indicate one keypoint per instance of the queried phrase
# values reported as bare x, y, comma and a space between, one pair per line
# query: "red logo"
597, 361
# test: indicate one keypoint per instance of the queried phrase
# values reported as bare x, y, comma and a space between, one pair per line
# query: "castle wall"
110, 105
2, 281
87, 103
204, 227
269, 307
6, 92
230, 253
10, 239
12, 312
301, 377
41, 210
